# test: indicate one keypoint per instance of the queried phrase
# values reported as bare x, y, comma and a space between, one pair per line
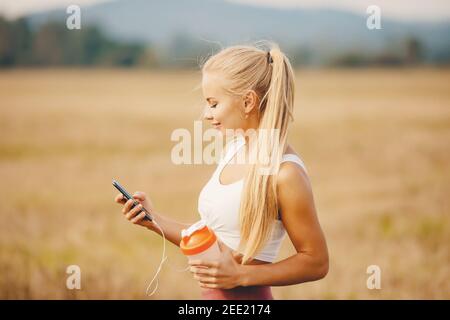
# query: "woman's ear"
251, 101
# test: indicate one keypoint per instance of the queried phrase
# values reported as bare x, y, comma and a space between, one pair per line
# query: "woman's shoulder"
292, 169
291, 158
293, 185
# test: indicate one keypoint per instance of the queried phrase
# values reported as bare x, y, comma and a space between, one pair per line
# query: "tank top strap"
293, 158
231, 149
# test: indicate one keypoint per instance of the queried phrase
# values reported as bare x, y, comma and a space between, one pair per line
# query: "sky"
419, 10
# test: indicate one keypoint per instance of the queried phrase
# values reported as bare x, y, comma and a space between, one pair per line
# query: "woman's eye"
213, 106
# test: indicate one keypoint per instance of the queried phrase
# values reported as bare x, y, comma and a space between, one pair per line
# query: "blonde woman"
248, 88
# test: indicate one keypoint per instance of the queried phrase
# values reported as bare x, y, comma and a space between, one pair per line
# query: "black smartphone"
128, 196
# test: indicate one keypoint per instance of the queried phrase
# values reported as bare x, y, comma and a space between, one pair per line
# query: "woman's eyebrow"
209, 98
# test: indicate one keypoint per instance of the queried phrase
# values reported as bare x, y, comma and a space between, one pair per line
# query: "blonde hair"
269, 73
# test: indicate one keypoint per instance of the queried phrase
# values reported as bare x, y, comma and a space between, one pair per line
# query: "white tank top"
219, 204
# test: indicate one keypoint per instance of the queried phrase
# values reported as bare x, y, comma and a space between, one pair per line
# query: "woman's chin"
224, 131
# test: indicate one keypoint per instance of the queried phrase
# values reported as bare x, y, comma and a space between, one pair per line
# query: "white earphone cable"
163, 259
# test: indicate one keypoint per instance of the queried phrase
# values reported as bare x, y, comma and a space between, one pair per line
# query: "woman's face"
222, 110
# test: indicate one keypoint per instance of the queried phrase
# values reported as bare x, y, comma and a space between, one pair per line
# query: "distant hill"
319, 33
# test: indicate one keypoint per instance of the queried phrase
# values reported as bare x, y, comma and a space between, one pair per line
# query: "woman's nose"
207, 114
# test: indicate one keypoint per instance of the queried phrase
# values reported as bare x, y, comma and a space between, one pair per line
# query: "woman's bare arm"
300, 220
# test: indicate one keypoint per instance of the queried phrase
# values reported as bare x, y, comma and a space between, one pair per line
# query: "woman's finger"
128, 205
204, 271
237, 257
209, 285
133, 212
138, 218
139, 195
120, 199
205, 279
209, 264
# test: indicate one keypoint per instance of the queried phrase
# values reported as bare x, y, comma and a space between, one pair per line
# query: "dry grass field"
376, 143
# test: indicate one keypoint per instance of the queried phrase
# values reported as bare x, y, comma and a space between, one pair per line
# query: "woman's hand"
140, 201
223, 274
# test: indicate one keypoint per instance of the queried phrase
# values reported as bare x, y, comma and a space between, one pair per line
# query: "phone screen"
122, 190
128, 196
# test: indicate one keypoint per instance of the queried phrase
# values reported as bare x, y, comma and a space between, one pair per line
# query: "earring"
246, 116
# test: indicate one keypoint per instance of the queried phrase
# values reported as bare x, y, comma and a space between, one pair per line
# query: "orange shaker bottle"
199, 242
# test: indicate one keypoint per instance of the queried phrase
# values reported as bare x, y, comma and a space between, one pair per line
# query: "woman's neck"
246, 148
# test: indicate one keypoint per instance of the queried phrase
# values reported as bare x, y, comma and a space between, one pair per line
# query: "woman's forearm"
172, 229
299, 268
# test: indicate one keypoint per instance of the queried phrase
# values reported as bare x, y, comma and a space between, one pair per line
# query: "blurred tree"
6, 40
54, 44
49, 44
388, 59
15, 42
22, 38
350, 60
414, 51
123, 55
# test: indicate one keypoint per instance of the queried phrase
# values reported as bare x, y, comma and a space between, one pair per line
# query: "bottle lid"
196, 239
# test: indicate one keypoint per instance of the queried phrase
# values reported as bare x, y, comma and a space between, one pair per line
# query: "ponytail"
259, 207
